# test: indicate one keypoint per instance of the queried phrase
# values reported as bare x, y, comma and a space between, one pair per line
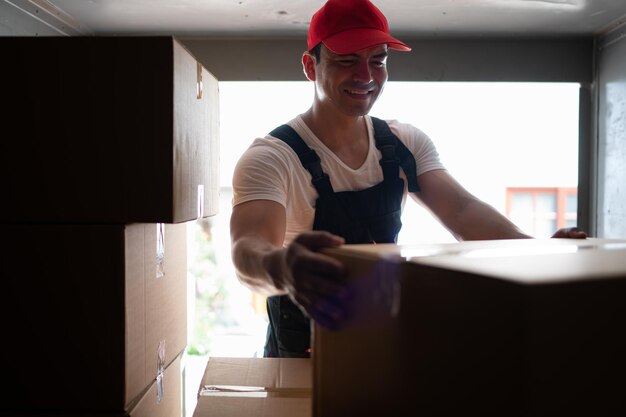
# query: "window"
541, 211
486, 134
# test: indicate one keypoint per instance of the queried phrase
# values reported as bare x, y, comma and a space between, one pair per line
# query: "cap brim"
354, 40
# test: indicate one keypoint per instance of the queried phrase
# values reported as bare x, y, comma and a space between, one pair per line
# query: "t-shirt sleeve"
420, 144
260, 174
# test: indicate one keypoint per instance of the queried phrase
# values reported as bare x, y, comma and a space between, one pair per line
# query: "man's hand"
570, 233
314, 280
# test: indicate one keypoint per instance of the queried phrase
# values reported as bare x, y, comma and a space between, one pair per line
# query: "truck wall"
25, 18
611, 134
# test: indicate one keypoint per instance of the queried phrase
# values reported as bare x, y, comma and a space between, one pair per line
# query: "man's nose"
362, 72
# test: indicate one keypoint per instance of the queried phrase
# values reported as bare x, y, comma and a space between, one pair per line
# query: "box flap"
228, 406
524, 261
266, 373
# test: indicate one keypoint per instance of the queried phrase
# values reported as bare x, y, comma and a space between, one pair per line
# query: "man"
337, 175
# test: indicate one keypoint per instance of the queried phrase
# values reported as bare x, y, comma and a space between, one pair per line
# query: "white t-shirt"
270, 170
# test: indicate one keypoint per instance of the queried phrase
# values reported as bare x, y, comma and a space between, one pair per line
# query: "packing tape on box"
199, 81
252, 391
389, 288
160, 369
160, 250
200, 201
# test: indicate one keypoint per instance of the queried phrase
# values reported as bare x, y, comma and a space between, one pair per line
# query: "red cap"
348, 26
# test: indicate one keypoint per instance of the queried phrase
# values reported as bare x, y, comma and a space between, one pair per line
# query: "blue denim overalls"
369, 215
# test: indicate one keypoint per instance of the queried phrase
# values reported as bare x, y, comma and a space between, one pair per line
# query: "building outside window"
542, 210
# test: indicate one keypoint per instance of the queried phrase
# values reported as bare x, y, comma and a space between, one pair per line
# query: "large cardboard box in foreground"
107, 130
492, 328
89, 314
255, 387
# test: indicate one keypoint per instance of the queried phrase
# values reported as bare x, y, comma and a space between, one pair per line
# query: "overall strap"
394, 154
309, 159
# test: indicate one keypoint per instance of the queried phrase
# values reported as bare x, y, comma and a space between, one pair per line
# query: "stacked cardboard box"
96, 310
105, 129
111, 150
161, 399
492, 328
255, 387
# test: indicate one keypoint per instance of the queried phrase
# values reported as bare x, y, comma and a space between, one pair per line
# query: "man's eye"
379, 63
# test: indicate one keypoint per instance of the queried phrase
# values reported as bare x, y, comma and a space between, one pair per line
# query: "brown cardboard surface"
489, 328
166, 295
84, 307
225, 406
196, 133
167, 403
258, 372
107, 130
254, 387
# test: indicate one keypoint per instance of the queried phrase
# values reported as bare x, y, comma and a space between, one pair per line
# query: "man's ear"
308, 66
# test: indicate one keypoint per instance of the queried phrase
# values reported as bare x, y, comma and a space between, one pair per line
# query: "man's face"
351, 83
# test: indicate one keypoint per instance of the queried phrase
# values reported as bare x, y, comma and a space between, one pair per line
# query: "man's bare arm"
257, 230
469, 218
310, 278
464, 215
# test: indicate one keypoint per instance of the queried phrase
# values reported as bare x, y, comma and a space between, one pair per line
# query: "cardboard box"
89, 314
255, 387
257, 372
492, 328
164, 396
160, 399
107, 130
